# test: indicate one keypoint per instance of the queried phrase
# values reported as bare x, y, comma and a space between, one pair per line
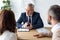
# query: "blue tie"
29, 19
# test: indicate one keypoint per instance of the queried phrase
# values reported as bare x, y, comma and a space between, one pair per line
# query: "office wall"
1, 4
41, 6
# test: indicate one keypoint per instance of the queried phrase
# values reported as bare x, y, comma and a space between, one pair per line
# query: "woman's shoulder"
7, 35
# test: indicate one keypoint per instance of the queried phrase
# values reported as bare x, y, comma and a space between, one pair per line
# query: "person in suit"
7, 25
30, 19
54, 20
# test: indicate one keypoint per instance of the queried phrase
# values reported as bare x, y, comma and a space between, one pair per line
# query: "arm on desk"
19, 21
49, 34
39, 35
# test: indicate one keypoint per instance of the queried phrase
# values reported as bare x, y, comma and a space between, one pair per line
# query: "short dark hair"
55, 9
8, 22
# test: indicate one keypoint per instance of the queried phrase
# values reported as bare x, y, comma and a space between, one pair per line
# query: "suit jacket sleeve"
39, 23
18, 24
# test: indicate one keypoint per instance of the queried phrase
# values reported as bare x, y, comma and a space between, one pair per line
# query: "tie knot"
29, 16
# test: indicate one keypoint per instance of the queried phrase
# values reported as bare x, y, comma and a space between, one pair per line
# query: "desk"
29, 35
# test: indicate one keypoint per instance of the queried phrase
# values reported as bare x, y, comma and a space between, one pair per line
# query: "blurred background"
18, 6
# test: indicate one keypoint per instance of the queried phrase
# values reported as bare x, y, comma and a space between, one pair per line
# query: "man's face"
49, 19
29, 10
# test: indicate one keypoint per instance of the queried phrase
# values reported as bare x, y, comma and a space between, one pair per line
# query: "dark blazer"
36, 20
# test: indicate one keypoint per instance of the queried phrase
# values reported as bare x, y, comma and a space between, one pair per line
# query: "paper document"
42, 30
23, 30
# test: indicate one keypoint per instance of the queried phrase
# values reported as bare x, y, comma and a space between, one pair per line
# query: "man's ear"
49, 17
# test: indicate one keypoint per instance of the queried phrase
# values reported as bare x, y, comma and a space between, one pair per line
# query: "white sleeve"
13, 37
56, 35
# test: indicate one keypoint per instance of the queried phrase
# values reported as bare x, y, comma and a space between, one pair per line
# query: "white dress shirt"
28, 17
7, 35
56, 32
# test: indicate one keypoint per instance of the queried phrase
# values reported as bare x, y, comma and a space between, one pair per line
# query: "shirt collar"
55, 27
28, 15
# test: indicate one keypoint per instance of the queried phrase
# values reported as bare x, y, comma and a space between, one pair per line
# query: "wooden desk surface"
29, 35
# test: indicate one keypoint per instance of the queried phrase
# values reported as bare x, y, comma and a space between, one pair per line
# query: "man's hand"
39, 35
27, 26
30, 27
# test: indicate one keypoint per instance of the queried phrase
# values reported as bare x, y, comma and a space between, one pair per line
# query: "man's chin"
49, 23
